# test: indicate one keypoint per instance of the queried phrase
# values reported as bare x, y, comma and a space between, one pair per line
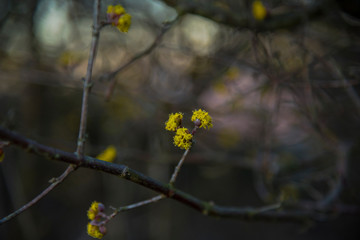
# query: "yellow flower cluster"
204, 118
174, 121
124, 23
94, 231
118, 17
93, 210
92, 228
117, 9
258, 10
183, 139
108, 155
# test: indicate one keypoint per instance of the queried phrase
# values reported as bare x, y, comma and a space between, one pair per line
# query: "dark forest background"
283, 93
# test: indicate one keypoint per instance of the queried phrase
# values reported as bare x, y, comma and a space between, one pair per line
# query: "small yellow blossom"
258, 10
110, 9
124, 22
93, 210
117, 9
183, 139
118, 17
174, 121
204, 117
108, 155
94, 231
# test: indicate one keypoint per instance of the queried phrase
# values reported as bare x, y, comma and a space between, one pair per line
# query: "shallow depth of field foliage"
280, 80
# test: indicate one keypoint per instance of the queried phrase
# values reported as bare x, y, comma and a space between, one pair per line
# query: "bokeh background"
284, 100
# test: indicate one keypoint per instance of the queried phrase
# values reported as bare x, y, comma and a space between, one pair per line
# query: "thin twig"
54, 184
87, 81
134, 205
142, 203
269, 207
177, 168
138, 56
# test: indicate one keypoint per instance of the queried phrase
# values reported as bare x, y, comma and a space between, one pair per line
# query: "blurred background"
283, 92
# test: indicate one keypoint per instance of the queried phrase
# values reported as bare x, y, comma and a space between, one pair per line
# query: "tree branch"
87, 81
229, 17
138, 56
207, 208
134, 205
177, 168
54, 184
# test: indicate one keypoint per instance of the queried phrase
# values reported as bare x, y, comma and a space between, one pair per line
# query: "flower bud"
101, 207
102, 229
197, 123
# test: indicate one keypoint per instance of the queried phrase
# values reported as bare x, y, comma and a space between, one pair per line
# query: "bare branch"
134, 205
54, 184
111, 76
207, 208
287, 20
178, 166
87, 81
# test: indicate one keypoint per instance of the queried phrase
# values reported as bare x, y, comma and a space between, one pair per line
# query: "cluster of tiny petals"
117, 9
94, 231
183, 139
93, 210
94, 228
174, 121
118, 17
202, 119
124, 23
